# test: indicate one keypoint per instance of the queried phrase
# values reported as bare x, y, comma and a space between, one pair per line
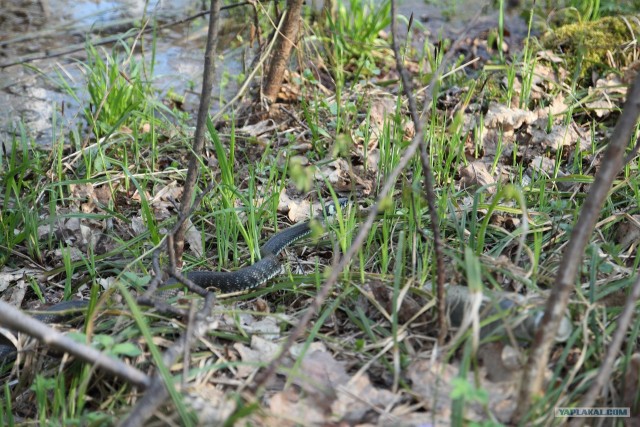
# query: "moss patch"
589, 43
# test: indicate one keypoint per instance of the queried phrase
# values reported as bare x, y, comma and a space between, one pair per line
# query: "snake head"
330, 208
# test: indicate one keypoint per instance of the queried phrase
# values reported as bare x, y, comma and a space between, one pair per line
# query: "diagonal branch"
14, 319
611, 165
336, 269
201, 123
428, 175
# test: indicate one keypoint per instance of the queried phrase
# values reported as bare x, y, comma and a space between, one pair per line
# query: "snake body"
244, 279
256, 274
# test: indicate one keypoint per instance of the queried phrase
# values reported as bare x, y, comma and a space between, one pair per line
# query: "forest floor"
516, 130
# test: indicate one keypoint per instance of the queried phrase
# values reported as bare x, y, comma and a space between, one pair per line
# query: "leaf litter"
317, 385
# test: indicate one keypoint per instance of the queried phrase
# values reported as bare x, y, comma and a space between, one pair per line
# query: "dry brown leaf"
358, 397
211, 404
381, 109
8, 276
289, 409
18, 291
261, 351
373, 160
544, 165
262, 131
340, 177
299, 211
433, 381
602, 95
194, 238
103, 194
556, 108
267, 327
550, 56
627, 232
476, 174
171, 191
508, 119
560, 136
83, 196
321, 373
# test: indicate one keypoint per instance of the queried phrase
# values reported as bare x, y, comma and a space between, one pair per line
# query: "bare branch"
14, 319
201, 124
428, 177
611, 165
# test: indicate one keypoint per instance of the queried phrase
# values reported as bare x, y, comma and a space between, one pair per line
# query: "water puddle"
50, 30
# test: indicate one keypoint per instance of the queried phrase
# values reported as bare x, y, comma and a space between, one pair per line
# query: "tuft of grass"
131, 164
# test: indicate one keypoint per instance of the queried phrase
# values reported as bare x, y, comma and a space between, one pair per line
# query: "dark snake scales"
244, 279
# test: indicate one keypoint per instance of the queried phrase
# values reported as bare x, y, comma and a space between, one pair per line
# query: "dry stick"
611, 165
336, 269
362, 234
607, 365
282, 51
158, 278
201, 124
14, 319
157, 393
428, 178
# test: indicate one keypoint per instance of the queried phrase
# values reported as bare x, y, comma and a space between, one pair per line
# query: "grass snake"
246, 278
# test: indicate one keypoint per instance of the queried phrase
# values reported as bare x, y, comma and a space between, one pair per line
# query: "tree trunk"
282, 50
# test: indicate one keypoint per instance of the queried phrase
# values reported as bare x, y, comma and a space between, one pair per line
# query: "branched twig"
610, 166
255, 68
158, 278
14, 319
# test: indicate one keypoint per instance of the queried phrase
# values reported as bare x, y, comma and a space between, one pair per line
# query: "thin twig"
201, 122
611, 164
157, 393
253, 72
428, 177
14, 319
158, 278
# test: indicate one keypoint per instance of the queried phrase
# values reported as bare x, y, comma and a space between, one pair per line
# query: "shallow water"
31, 93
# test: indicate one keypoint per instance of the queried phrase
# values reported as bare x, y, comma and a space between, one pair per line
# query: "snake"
243, 279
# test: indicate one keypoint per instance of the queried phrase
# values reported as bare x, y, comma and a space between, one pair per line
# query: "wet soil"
42, 44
